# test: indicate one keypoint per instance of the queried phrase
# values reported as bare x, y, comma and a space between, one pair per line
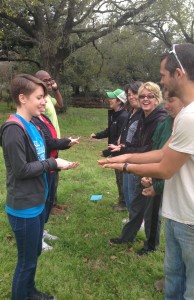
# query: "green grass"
82, 265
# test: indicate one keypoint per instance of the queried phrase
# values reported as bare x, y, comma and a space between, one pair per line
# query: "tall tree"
59, 29
170, 21
116, 59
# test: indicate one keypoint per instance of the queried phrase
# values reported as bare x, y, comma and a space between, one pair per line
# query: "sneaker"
144, 251
125, 221
116, 242
48, 236
46, 247
41, 296
159, 285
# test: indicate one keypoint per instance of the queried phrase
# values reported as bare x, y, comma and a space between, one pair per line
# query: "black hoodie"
142, 139
115, 123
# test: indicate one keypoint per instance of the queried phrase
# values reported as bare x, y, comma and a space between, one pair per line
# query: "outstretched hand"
114, 148
117, 159
74, 141
103, 161
116, 166
63, 164
93, 135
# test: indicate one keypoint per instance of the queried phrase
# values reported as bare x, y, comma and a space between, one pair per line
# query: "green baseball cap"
120, 94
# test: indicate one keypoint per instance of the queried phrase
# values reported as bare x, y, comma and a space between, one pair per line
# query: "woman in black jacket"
53, 144
128, 138
150, 97
27, 188
116, 118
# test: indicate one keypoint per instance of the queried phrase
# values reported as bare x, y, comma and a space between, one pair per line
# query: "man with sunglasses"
175, 163
177, 75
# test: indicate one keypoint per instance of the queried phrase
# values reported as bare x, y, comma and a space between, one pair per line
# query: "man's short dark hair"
185, 53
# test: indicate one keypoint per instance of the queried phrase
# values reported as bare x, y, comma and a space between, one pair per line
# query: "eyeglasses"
174, 52
149, 96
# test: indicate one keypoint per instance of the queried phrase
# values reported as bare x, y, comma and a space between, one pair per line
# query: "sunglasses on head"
175, 54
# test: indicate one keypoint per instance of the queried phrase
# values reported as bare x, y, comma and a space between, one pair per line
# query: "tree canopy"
57, 29
93, 44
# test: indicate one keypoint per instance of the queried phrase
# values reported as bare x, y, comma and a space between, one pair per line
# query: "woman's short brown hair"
25, 84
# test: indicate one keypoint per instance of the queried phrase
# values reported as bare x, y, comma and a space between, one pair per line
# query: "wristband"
54, 90
125, 167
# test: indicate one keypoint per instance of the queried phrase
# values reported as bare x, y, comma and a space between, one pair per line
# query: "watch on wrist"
125, 167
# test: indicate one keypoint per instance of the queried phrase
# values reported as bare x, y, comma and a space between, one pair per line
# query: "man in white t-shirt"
175, 163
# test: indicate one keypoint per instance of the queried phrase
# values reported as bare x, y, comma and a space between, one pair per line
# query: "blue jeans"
129, 185
179, 261
28, 234
51, 196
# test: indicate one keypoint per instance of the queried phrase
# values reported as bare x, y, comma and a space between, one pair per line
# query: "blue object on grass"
96, 197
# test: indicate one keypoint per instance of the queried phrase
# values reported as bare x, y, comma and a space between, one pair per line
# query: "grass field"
82, 265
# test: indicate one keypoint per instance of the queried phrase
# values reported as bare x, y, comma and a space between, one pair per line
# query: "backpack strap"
13, 118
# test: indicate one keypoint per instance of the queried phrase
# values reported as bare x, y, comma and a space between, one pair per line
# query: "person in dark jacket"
127, 140
150, 97
116, 118
27, 188
53, 144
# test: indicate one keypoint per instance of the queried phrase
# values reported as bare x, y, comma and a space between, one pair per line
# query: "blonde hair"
152, 88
